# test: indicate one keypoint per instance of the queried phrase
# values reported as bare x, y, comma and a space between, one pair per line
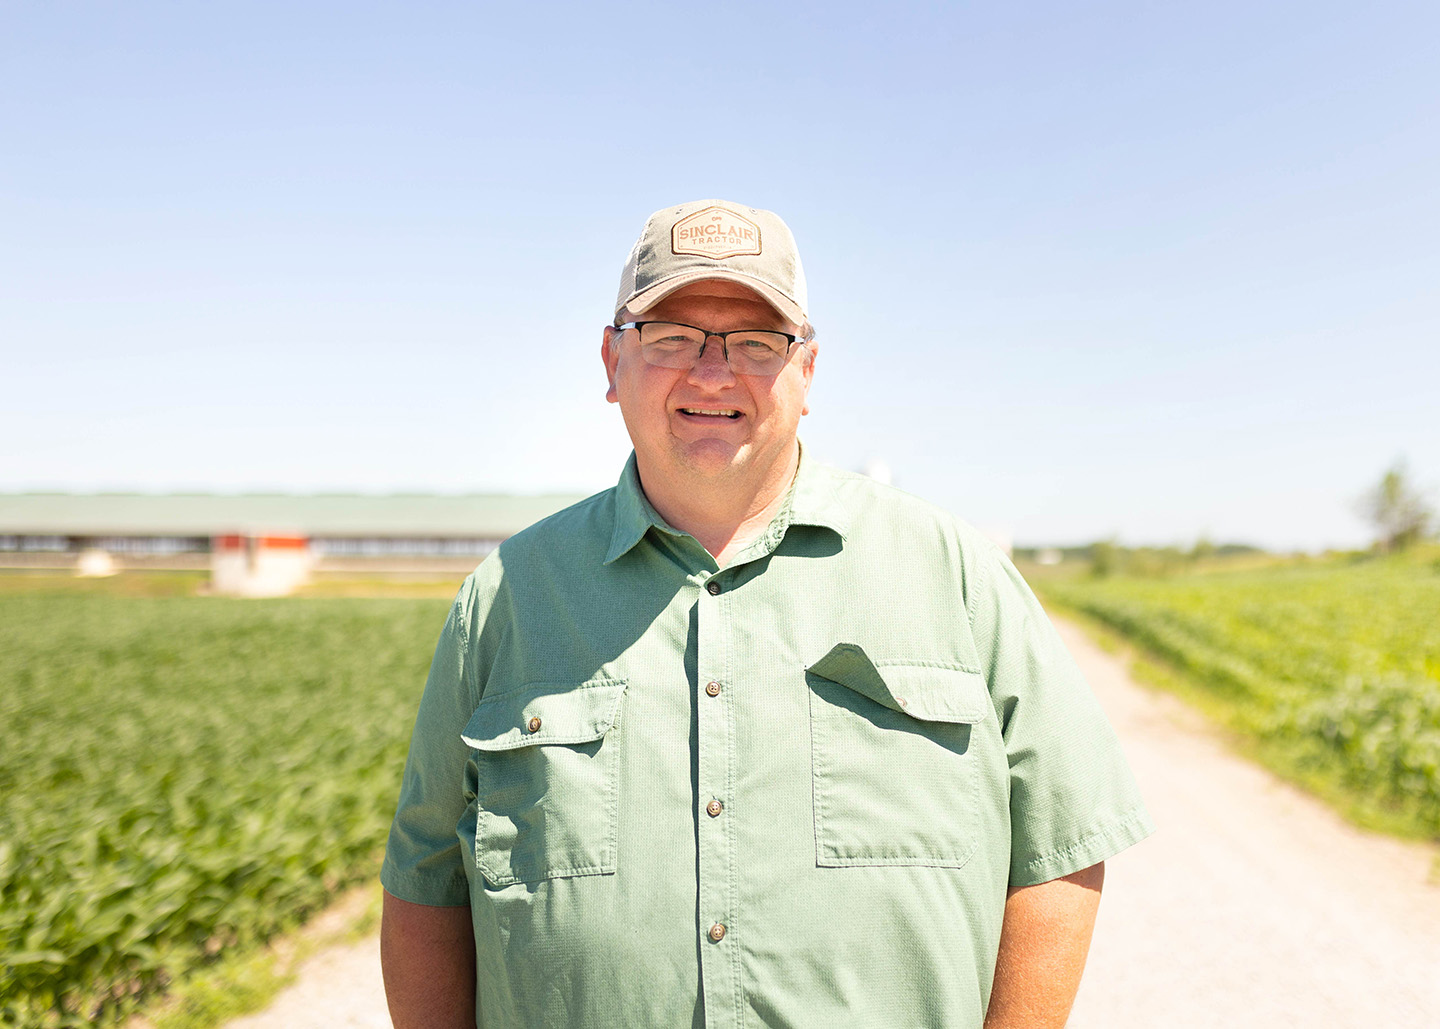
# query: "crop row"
1335, 669
179, 776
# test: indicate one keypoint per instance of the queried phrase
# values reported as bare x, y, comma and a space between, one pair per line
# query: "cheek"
793, 403
643, 389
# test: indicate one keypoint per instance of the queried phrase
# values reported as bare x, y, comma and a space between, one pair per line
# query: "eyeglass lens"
749, 351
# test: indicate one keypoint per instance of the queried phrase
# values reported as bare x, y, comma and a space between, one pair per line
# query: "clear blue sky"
1135, 269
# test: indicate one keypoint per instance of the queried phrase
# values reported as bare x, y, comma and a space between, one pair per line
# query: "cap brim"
648, 298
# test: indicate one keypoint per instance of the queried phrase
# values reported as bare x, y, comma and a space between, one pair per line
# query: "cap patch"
716, 233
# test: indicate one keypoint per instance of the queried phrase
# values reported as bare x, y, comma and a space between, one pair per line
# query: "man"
745, 741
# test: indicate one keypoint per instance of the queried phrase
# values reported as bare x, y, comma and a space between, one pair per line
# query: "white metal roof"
488, 515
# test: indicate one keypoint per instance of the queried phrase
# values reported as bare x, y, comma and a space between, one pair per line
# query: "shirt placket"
719, 922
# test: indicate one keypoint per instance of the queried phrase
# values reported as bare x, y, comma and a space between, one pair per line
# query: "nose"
712, 369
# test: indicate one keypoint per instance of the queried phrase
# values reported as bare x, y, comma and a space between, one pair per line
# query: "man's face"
709, 422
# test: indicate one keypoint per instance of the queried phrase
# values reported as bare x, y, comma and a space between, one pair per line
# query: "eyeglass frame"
790, 337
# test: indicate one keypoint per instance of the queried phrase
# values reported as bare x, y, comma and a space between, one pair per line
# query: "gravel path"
1254, 906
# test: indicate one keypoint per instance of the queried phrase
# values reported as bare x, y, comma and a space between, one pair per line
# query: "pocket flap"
550, 712
932, 692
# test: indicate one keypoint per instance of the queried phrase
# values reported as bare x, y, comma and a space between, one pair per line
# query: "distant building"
259, 566
261, 544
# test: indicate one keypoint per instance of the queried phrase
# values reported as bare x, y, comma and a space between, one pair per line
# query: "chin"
712, 457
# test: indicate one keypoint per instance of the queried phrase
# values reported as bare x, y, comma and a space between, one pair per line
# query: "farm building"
261, 544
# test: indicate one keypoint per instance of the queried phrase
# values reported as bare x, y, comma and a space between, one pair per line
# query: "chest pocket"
895, 777
543, 774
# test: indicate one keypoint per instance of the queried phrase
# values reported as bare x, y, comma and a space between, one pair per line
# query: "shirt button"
533, 725
714, 808
717, 932
713, 588
712, 688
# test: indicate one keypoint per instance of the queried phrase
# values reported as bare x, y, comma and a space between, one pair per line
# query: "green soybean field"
180, 776
1327, 671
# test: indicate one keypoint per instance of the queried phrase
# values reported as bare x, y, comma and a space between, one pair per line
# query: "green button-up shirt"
787, 792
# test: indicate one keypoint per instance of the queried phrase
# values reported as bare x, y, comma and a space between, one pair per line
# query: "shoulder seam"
467, 666
979, 572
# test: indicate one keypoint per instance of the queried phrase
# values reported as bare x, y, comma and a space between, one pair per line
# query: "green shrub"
1384, 735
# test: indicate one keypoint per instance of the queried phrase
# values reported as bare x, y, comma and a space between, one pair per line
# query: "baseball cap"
714, 239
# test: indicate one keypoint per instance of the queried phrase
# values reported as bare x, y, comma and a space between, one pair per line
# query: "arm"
1043, 943
427, 956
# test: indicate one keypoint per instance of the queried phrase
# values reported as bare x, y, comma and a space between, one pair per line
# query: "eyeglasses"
747, 351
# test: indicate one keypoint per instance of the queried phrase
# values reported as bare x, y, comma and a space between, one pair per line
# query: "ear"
809, 372
610, 354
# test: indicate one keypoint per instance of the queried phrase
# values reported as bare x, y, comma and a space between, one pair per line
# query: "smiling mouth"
711, 412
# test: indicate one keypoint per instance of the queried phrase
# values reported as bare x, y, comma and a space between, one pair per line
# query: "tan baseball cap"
714, 239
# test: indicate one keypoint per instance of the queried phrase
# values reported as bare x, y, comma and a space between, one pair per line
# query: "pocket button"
534, 725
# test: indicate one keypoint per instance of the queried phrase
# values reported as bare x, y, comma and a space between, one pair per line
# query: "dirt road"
1254, 906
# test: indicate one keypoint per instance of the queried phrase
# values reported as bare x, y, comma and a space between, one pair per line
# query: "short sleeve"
424, 863
1073, 799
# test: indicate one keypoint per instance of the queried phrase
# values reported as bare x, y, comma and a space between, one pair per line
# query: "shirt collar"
812, 501
633, 514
